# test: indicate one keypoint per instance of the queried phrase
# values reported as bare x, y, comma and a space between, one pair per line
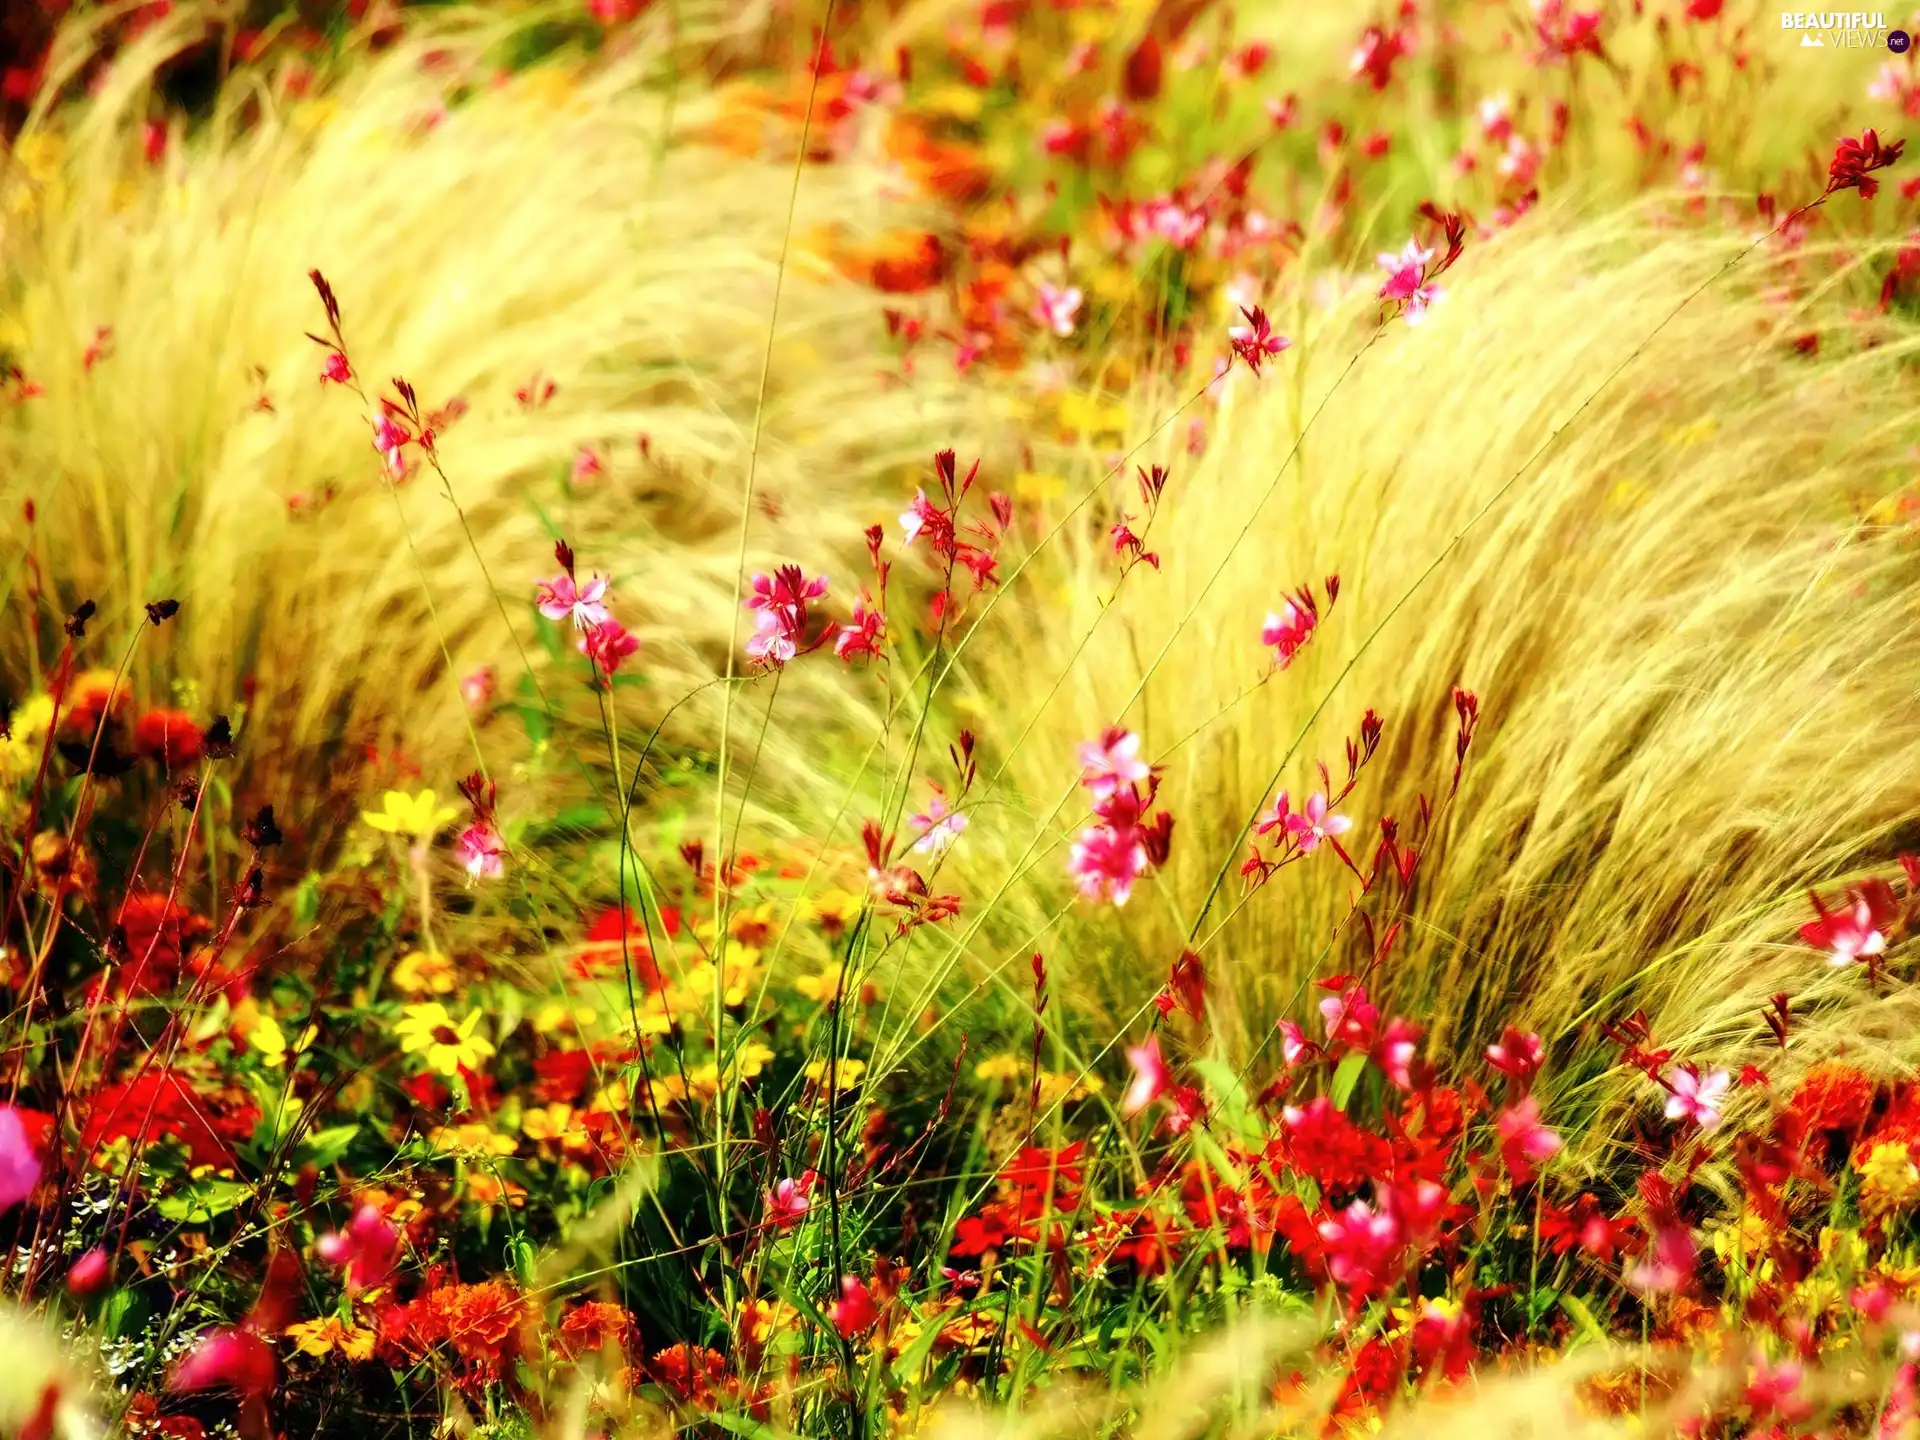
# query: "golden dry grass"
556, 223
1695, 656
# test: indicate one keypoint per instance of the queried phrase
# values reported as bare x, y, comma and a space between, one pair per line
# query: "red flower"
1833, 1096
1854, 162
854, 1312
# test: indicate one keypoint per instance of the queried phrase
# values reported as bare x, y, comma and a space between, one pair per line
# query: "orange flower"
1834, 1096
951, 169
169, 736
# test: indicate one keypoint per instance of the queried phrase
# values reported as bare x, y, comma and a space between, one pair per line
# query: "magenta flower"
1517, 1054
1106, 862
1287, 630
1294, 1045
391, 438
1394, 1053
587, 465
607, 644
1524, 1141
1361, 1248
481, 851
862, 633
1350, 1018
559, 598
1276, 816
228, 1358
1255, 342
367, 1249
337, 371
19, 1166
779, 602
790, 1199
1058, 308
89, 1273
1696, 1097
919, 515
478, 687
1407, 283
854, 1312
1150, 1077
1316, 823
1111, 762
939, 827
1850, 934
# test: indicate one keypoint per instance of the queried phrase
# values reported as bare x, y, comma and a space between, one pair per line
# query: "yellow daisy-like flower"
425, 972
750, 1060
268, 1041
998, 1067
472, 1138
1889, 1179
847, 1073
430, 1031
20, 751
820, 987
330, 1333
697, 985
413, 815
548, 1122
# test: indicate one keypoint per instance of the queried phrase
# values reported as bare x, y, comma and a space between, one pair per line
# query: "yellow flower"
750, 1060
548, 1122
428, 1029
697, 984
553, 1016
423, 972
268, 1041
847, 1072
832, 910
404, 814
1091, 417
1038, 486
20, 752
998, 1067
323, 1336
485, 1189
821, 986
472, 1138
40, 154
1889, 1180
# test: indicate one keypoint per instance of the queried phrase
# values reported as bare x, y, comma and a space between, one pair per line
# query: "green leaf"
203, 1200
1346, 1077
1231, 1106
325, 1147
524, 1260
306, 901
1583, 1319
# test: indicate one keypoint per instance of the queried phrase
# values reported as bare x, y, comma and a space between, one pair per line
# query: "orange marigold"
593, 1325
1834, 1096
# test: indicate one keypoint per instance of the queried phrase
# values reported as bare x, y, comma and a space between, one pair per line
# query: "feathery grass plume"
1692, 643
484, 233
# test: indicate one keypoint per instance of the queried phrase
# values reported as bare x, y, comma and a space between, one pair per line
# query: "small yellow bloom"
472, 1138
548, 1122
1038, 487
1889, 1179
750, 1060
847, 1073
323, 1336
414, 815
820, 987
1089, 416
268, 1041
428, 1029
998, 1067
424, 972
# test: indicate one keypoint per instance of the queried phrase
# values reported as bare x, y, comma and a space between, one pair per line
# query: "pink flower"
1316, 823
587, 465
790, 1199
607, 644
89, 1273
559, 597
1669, 1261
367, 1249
1851, 934
1288, 630
1517, 1055
1395, 1052
391, 438
19, 1166
1057, 308
1350, 1018
939, 827
854, 1312
779, 602
1294, 1045
1695, 1097
1276, 816
1361, 1248
1255, 342
1111, 762
1150, 1077
477, 688
1106, 862
919, 515
862, 634
481, 851
1496, 117
1407, 282
1775, 1390
1524, 1141
336, 371
227, 1358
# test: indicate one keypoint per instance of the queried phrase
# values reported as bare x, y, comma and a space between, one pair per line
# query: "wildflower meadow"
972, 718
